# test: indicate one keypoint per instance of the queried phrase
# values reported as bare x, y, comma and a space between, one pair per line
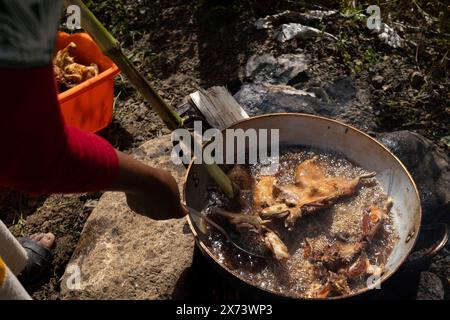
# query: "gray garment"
12, 253
12, 289
15, 258
28, 32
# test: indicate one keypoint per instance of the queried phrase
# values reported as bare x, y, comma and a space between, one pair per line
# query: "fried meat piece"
69, 73
263, 192
312, 191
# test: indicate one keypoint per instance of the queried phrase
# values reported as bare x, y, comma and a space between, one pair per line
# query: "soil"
184, 45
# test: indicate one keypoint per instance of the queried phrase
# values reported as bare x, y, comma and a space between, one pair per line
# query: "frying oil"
342, 220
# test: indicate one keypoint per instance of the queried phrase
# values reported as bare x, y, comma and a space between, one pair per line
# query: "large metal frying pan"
326, 134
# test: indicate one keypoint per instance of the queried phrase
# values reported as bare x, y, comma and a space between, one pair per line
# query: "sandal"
38, 263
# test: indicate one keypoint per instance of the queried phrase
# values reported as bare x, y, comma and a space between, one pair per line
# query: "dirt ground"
184, 45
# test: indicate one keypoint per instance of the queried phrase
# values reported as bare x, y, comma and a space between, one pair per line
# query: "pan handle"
432, 239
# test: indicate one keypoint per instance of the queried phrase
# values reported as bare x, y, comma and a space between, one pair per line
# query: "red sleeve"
39, 153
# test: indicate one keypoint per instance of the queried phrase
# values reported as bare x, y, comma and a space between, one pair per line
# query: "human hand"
150, 191
159, 200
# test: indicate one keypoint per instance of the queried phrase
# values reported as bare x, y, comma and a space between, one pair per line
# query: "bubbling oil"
342, 220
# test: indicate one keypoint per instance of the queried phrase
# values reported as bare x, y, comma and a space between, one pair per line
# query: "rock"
446, 141
440, 265
259, 99
429, 166
388, 35
290, 31
430, 287
90, 204
268, 21
417, 80
338, 100
268, 69
319, 15
377, 82
342, 90
122, 255
312, 16
385, 33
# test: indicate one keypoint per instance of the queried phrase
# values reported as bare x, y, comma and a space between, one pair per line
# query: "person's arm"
42, 155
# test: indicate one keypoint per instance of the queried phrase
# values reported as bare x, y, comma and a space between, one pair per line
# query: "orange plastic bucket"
89, 105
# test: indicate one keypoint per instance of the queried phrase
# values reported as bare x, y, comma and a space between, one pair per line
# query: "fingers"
44, 239
36, 237
47, 240
155, 207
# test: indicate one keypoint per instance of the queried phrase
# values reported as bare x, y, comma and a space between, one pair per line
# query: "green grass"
356, 61
117, 14
18, 226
